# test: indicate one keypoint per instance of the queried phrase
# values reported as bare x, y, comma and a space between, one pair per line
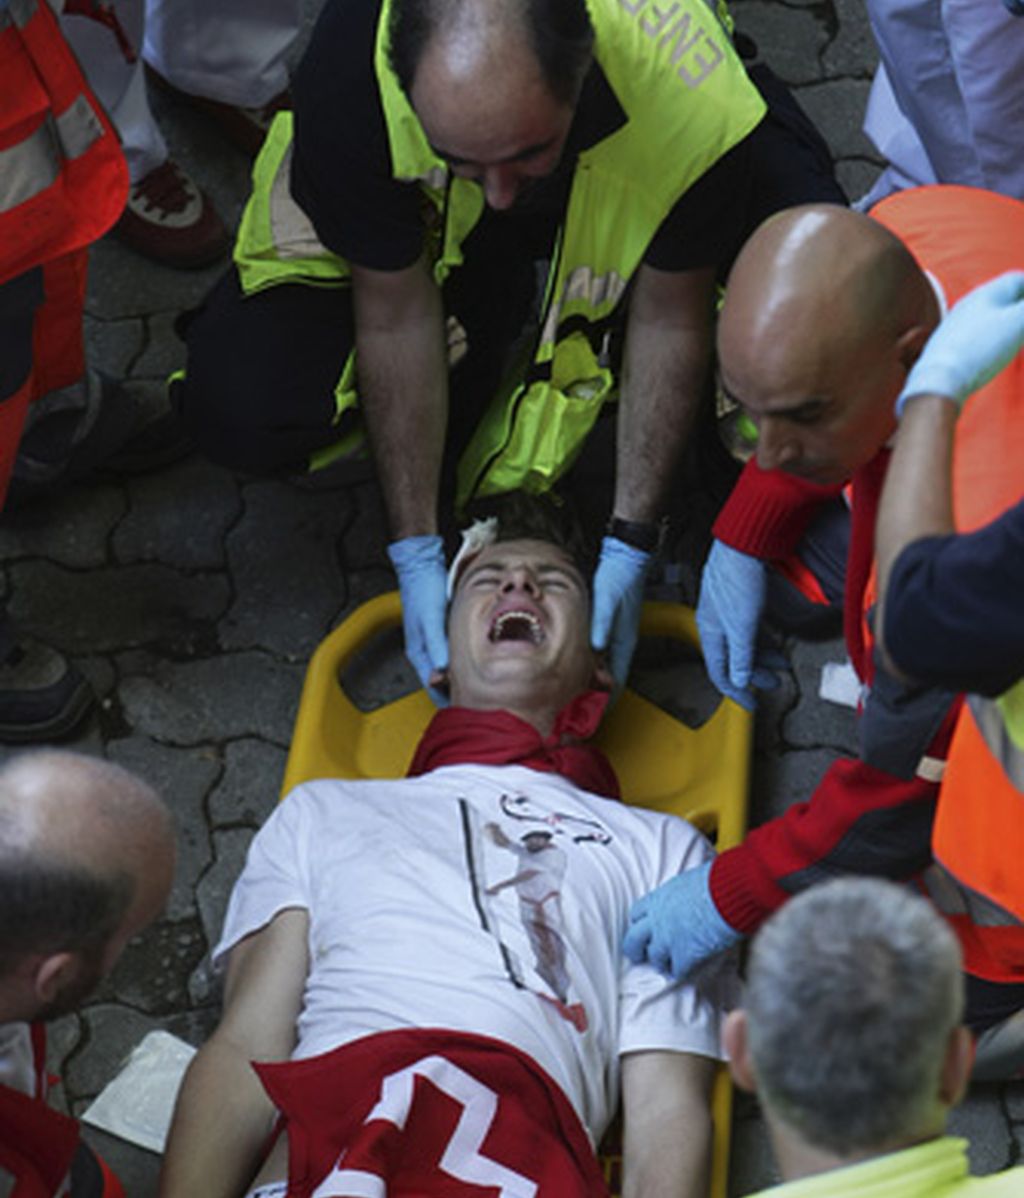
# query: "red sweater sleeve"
859, 820
768, 511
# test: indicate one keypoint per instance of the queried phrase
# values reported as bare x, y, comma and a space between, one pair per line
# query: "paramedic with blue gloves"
466, 153
826, 312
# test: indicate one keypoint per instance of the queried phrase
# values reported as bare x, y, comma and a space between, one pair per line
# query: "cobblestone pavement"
193, 597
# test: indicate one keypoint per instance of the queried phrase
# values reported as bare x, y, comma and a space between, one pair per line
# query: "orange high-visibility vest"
965, 236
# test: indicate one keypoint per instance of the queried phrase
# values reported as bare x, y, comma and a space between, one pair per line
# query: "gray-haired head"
853, 991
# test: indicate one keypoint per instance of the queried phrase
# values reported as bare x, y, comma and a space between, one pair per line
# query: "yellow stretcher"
701, 774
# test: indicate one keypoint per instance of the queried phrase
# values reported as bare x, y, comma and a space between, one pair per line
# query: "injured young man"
424, 991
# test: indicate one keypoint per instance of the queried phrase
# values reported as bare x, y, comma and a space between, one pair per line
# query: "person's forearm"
221, 1125
667, 1127
668, 345
917, 500
403, 387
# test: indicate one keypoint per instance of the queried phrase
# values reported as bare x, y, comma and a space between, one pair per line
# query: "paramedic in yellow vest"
951, 609
615, 141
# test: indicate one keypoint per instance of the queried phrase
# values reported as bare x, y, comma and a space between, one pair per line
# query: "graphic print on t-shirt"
539, 842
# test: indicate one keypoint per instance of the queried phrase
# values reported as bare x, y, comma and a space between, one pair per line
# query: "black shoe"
42, 695
97, 424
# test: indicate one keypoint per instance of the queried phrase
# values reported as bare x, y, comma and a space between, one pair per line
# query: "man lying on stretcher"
433, 963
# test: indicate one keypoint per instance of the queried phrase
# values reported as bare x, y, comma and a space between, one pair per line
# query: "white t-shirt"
483, 899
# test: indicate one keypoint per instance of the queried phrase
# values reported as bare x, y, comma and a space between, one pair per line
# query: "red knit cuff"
744, 895
768, 512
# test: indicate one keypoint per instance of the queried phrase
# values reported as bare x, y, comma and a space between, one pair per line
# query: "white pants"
947, 103
227, 50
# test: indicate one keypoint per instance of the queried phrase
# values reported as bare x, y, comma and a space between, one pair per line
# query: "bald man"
622, 144
826, 312
86, 861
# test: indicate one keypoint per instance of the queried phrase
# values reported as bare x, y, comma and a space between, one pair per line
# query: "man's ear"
601, 679
734, 1037
52, 974
910, 344
957, 1066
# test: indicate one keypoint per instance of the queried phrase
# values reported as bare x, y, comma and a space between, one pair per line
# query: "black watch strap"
640, 534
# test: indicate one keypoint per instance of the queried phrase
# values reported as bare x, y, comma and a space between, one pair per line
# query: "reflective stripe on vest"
680, 83
63, 179
33, 165
965, 236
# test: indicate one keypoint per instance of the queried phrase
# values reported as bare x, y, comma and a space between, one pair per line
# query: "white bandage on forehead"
476, 538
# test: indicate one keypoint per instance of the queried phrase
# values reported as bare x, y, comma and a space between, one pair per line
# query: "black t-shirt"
341, 170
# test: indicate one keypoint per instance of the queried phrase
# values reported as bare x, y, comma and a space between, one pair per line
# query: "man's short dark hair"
559, 31
525, 517
49, 907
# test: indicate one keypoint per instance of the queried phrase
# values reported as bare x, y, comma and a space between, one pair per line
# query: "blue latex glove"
422, 581
977, 338
618, 597
677, 927
732, 598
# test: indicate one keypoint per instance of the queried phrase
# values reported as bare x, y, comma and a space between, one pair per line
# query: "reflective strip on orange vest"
63, 178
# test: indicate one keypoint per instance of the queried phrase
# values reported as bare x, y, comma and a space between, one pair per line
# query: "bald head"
86, 860
494, 83
825, 311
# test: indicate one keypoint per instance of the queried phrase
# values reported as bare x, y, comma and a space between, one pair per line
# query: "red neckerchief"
463, 735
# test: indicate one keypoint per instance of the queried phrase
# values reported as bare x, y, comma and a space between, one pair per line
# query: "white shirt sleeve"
658, 1013
275, 877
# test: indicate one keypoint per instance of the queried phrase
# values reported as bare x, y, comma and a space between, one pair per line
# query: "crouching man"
427, 971
86, 861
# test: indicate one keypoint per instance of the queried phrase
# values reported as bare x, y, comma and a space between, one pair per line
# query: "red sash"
429, 1114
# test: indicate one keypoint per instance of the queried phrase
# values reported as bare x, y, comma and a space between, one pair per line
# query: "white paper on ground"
138, 1103
840, 684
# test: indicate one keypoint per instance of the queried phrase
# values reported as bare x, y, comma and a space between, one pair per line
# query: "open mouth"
516, 626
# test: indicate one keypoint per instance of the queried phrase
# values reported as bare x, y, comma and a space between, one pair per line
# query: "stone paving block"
113, 345
364, 535
790, 40
124, 284
856, 176
814, 721
113, 1030
64, 1036
772, 709
250, 784
1014, 1095
214, 889
837, 107
100, 673
71, 529
212, 700
183, 778
153, 973
113, 608
852, 52
779, 780
981, 1121
362, 585
163, 350
179, 516
285, 567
